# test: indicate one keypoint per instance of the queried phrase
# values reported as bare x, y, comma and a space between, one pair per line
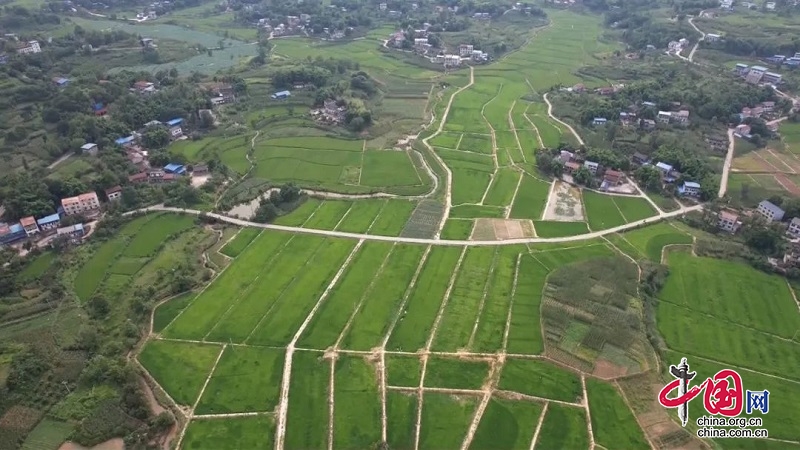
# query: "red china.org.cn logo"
724, 400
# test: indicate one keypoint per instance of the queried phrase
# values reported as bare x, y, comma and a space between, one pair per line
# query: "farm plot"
246, 379
613, 423
550, 133
206, 310
466, 299
524, 334
634, 208
252, 433
242, 239
469, 184
454, 373
649, 241
279, 322
329, 322
531, 199
445, 420
361, 216
357, 408
457, 229
477, 143
180, 368
507, 425
389, 168
476, 211
307, 417
370, 323
488, 332
601, 211
393, 217
153, 234
540, 379
300, 215
401, 418
166, 312
305, 166
424, 221
501, 192
501, 229
549, 229
413, 329
403, 370
563, 427
329, 214
755, 333
446, 140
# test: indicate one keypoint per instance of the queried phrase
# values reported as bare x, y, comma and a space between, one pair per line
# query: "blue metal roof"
16, 228
172, 167
174, 122
664, 166
691, 184
281, 94
124, 140
49, 219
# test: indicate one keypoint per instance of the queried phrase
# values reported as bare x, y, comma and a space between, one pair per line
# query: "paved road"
370, 237
726, 168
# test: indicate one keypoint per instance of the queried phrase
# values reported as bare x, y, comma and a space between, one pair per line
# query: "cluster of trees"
705, 97
279, 202
319, 72
691, 167
15, 17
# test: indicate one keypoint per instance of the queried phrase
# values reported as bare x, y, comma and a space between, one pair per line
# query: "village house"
640, 158
114, 193
728, 221
597, 121
770, 211
10, 234
177, 169
605, 90
49, 223
199, 169
144, 87
479, 56
772, 78
648, 124
29, 225
689, 188
452, 60
140, 177
73, 233
711, 37
420, 43
742, 131
29, 47
84, 203
664, 117
717, 143
465, 49
60, 82
754, 74
281, 95
613, 177
592, 166
794, 227
89, 149
175, 130
664, 168
571, 166
579, 88
627, 118
565, 156
222, 95
681, 117
99, 109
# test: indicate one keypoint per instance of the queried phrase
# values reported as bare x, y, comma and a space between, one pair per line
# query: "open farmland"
368, 304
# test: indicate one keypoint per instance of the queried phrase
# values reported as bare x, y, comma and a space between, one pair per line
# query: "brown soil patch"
502, 229
20, 418
607, 370
750, 162
787, 184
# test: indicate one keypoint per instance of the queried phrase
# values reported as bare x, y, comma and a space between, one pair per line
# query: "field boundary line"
488, 387
620, 211
460, 138
283, 404
534, 398
190, 414
516, 136
494, 144
448, 172
374, 219
794, 295
568, 126
249, 287
331, 385
291, 283
486, 289
413, 165
533, 125
344, 216
411, 286
539, 426
777, 377
514, 197
364, 295
361, 167
249, 169
511, 303
210, 282
585, 402
312, 214
635, 416
228, 415
549, 194
427, 348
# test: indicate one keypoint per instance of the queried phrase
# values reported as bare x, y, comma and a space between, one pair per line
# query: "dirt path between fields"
283, 402
539, 426
588, 412
516, 136
568, 126
449, 180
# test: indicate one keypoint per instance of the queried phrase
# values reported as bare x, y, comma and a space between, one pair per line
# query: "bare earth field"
564, 204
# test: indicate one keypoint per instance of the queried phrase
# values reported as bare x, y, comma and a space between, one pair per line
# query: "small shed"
281, 95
